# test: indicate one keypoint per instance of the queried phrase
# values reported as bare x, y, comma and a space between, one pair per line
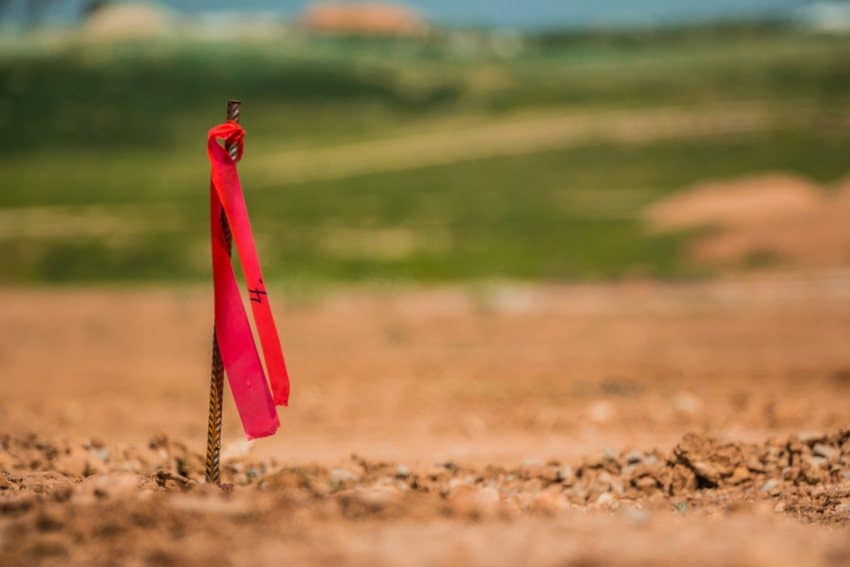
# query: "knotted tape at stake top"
254, 401
232, 135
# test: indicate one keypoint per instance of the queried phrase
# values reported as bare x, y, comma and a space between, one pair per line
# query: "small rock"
827, 452
755, 465
549, 473
364, 501
114, 484
634, 457
772, 486
610, 483
342, 476
740, 474
810, 437
707, 471
100, 453
45, 482
780, 507
645, 482
607, 500
565, 475
402, 471
488, 500
470, 502
813, 469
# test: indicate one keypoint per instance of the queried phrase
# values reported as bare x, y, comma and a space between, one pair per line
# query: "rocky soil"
626, 424
63, 502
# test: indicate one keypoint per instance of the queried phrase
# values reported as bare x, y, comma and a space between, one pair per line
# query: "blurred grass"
105, 175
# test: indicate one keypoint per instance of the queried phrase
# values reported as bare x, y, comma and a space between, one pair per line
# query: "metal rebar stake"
217, 374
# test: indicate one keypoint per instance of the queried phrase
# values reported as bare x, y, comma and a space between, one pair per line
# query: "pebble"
645, 482
707, 471
115, 485
342, 476
827, 452
44, 482
607, 500
817, 462
402, 471
369, 499
810, 437
566, 475
755, 465
634, 457
101, 453
471, 502
740, 474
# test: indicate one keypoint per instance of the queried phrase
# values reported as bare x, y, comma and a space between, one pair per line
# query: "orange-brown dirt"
634, 423
762, 221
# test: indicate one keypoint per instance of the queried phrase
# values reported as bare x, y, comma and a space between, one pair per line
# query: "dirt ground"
619, 424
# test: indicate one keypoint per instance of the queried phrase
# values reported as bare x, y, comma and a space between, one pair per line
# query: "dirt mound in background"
123, 22
367, 19
742, 202
762, 220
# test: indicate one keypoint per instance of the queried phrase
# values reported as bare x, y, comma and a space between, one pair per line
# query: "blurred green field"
451, 158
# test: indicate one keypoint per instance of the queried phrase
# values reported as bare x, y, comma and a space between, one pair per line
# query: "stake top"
233, 107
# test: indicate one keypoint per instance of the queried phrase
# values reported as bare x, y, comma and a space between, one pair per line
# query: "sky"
524, 14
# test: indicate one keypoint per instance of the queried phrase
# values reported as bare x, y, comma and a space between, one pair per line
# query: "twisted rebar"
213, 468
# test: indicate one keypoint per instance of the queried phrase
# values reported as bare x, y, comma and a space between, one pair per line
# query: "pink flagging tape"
254, 401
